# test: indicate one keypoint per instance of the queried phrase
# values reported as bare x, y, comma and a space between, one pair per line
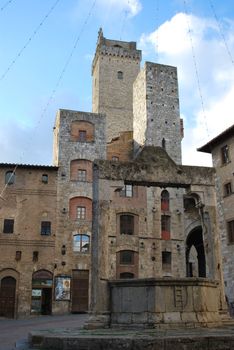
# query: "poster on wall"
62, 288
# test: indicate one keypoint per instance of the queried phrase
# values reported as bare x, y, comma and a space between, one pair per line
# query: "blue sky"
161, 31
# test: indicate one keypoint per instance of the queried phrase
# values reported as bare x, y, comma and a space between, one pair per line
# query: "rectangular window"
126, 224
82, 135
165, 223
225, 154
127, 257
81, 175
35, 256
115, 158
127, 191
46, 228
230, 229
227, 189
44, 178
81, 243
165, 227
166, 261
8, 226
18, 254
81, 213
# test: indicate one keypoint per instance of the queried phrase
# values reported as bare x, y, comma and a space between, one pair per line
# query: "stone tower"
156, 109
115, 67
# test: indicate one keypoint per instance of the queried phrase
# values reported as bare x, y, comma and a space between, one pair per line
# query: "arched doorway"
195, 254
7, 297
42, 282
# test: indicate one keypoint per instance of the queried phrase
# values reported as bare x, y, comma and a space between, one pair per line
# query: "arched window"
165, 200
81, 243
163, 143
9, 177
120, 75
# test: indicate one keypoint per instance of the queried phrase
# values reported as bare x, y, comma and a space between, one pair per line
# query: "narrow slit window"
120, 75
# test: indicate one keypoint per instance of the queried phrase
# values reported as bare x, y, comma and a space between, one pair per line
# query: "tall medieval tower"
116, 65
156, 110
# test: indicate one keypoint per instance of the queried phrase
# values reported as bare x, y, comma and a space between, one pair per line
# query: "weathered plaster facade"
224, 165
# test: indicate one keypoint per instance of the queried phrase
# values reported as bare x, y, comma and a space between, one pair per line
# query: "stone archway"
194, 243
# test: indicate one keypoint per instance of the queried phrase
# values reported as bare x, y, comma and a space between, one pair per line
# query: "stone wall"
112, 95
225, 205
164, 303
156, 109
155, 254
121, 148
72, 192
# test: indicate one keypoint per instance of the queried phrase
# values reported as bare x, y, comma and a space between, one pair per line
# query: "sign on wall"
62, 289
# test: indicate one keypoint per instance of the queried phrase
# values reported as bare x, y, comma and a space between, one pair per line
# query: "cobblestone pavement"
12, 331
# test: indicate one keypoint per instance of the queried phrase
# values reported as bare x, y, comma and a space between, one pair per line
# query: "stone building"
79, 138
222, 150
124, 210
154, 219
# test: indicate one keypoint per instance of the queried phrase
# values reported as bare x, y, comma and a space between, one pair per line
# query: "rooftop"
207, 148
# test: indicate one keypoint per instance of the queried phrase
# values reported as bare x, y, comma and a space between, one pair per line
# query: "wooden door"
80, 290
7, 297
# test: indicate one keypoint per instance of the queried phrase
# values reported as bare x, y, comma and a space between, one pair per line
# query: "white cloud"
133, 7
172, 40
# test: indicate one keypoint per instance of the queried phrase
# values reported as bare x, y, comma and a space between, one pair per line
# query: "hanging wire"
123, 22
196, 68
55, 88
221, 32
28, 41
6, 4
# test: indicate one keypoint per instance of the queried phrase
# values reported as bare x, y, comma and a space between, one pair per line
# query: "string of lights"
36, 30
221, 31
196, 67
5, 5
64, 69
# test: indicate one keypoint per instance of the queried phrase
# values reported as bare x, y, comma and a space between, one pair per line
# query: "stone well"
164, 303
